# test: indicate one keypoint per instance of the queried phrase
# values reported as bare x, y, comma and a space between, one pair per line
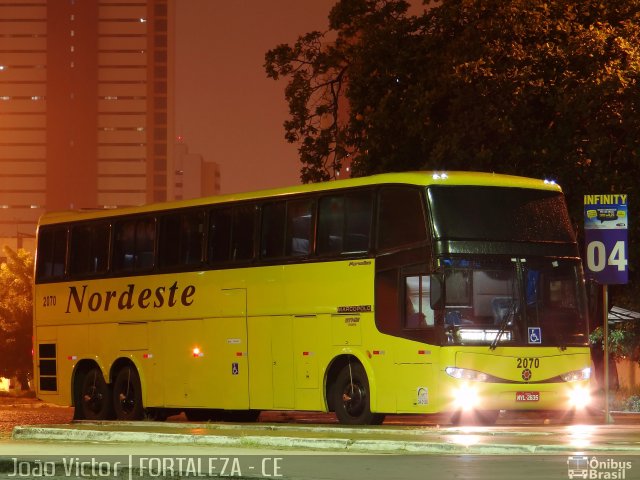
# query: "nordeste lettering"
129, 298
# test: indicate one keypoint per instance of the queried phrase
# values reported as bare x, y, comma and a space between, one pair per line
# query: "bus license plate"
527, 396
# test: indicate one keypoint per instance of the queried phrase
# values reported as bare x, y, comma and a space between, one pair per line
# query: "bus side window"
219, 235
344, 223
273, 230
134, 242
243, 232
89, 249
418, 312
299, 227
52, 249
181, 238
331, 225
401, 218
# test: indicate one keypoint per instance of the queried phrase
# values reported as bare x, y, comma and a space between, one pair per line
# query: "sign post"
605, 232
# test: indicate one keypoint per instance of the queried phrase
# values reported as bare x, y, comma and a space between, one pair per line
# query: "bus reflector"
72, 357
147, 355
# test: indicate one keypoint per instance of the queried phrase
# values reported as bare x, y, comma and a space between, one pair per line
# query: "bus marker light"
424, 352
378, 352
197, 353
72, 357
147, 355
239, 354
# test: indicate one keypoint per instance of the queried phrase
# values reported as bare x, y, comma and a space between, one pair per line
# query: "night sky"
226, 108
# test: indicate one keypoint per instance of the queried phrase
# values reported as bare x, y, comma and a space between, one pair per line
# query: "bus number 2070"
49, 301
528, 362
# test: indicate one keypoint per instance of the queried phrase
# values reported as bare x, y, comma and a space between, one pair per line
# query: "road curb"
463, 445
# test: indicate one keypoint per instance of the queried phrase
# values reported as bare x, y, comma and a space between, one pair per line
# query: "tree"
16, 326
527, 87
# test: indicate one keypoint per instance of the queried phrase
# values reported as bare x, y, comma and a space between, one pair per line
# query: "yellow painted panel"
260, 363
282, 354
346, 330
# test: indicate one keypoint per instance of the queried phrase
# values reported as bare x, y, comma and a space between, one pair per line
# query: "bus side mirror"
437, 291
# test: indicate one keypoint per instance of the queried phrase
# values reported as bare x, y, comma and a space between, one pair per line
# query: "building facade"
86, 114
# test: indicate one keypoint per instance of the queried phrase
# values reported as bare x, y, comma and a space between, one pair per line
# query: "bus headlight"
577, 375
466, 397
466, 374
579, 397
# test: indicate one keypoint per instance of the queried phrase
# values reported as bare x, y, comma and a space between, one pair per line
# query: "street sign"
605, 230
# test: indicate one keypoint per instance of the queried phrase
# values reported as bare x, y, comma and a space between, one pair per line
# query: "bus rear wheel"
127, 395
94, 402
350, 397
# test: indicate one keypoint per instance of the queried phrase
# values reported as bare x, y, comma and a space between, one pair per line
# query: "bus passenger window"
52, 249
242, 233
219, 235
401, 218
299, 227
180, 241
418, 312
344, 223
89, 249
330, 225
273, 235
134, 242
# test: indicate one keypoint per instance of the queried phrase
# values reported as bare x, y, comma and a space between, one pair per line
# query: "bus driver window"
418, 313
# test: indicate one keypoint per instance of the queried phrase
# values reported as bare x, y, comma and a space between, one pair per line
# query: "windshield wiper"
503, 325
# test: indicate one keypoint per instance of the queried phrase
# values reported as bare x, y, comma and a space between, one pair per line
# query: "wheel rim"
92, 397
354, 399
127, 396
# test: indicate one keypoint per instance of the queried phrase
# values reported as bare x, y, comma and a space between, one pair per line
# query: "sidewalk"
337, 438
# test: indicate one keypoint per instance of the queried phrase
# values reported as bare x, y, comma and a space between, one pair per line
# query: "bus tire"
94, 400
350, 397
127, 395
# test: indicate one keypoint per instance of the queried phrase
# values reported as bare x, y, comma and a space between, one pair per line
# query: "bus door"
282, 358
230, 351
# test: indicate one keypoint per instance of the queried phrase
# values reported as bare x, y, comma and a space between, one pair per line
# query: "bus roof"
420, 178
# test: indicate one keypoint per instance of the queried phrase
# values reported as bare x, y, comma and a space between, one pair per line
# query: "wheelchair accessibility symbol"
535, 335
234, 369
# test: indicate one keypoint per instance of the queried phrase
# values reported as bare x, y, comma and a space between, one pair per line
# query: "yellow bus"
406, 293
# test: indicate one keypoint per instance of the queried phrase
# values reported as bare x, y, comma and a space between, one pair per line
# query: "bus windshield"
513, 301
499, 214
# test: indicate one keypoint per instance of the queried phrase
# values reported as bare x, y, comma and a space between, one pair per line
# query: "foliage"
632, 404
16, 326
624, 340
526, 87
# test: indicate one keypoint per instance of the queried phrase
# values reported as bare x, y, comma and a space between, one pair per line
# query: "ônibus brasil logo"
581, 466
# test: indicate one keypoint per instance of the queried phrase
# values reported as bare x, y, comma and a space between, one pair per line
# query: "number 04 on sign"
605, 231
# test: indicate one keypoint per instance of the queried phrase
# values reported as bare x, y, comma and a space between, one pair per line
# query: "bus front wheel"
127, 395
350, 397
94, 402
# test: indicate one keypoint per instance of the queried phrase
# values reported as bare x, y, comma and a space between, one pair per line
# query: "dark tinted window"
344, 223
181, 239
133, 248
500, 213
52, 248
89, 251
299, 227
220, 235
401, 218
273, 230
243, 232
231, 234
